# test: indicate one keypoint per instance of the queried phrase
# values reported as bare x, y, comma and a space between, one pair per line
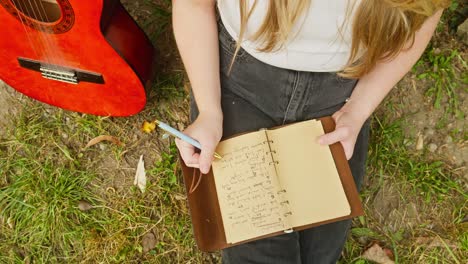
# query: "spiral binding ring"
271, 162
271, 141
273, 151
287, 213
284, 202
282, 191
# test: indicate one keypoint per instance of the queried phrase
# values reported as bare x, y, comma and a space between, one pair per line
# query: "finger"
338, 135
187, 152
206, 157
348, 149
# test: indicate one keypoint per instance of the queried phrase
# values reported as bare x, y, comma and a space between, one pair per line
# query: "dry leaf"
140, 176
148, 242
377, 254
84, 206
98, 139
148, 127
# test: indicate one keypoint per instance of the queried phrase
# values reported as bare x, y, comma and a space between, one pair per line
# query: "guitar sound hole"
47, 11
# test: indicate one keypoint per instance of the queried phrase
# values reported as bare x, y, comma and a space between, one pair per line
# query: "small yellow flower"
148, 127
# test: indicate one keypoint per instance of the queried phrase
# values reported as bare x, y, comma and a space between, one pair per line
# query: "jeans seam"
295, 85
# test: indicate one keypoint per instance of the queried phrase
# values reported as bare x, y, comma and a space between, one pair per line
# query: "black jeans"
257, 95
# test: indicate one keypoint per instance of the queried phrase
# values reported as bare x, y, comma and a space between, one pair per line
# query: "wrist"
358, 110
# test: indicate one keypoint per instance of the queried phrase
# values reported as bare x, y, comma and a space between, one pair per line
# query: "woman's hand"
206, 129
348, 125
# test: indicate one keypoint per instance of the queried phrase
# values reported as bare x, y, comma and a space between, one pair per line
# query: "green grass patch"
45, 173
40, 188
417, 178
389, 155
40, 204
448, 73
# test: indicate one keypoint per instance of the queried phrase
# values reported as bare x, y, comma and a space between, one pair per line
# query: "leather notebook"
270, 182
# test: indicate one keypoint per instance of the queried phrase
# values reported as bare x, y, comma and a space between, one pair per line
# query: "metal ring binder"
272, 162
273, 151
287, 213
282, 191
271, 141
284, 202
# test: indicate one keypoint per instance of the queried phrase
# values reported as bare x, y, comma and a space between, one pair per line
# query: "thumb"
348, 149
206, 157
335, 136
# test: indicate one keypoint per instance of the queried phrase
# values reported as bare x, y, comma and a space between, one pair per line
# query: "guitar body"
87, 56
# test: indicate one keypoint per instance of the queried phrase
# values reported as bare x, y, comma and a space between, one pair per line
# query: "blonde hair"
380, 28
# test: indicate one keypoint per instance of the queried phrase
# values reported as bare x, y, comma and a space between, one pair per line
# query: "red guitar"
83, 55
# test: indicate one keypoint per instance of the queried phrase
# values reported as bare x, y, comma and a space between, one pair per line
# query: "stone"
84, 206
432, 147
420, 142
148, 242
429, 132
448, 139
462, 31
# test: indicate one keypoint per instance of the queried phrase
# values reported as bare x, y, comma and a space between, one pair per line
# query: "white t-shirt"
322, 44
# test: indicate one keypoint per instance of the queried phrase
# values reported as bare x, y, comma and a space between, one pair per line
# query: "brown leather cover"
206, 215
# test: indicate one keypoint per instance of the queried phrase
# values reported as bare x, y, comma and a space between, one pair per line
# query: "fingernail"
205, 169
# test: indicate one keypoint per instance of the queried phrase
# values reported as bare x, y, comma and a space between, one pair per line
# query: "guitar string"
19, 12
47, 42
52, 39
40, 41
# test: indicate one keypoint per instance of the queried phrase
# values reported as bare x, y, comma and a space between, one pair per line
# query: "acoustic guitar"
87, 56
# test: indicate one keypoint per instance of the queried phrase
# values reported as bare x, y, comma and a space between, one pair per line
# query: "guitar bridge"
60, 73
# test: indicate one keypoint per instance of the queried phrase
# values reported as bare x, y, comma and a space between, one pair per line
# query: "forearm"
374, 86
196, 36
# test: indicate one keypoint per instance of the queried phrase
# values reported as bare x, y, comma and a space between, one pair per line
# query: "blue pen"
176, 133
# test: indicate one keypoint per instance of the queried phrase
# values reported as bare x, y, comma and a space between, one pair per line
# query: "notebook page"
307, 172
247, 188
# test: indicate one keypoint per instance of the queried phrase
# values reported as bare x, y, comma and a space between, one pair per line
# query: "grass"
429, 184
45, 175
41, 207
390, 156
40, 189
447, 71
